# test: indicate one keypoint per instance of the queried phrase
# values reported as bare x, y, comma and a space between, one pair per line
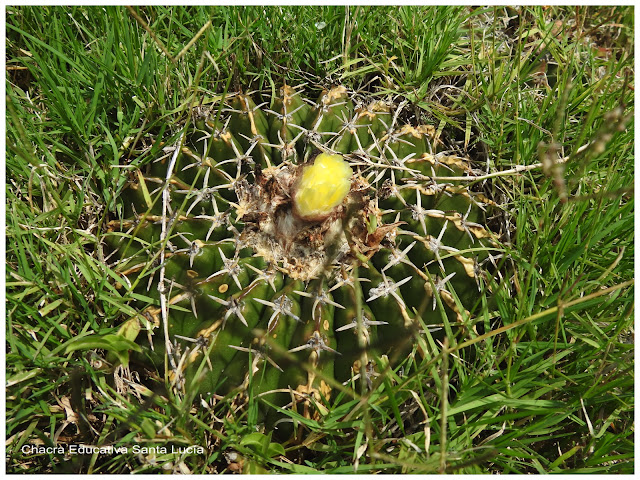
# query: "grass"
546, 383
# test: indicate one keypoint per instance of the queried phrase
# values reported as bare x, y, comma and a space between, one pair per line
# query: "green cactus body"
265, 290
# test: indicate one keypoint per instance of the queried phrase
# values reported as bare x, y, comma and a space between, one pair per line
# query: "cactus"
289, 245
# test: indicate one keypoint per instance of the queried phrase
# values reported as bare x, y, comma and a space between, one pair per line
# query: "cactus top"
265, 260
322, 186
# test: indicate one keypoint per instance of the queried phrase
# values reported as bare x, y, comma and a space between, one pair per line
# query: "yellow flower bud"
322, 186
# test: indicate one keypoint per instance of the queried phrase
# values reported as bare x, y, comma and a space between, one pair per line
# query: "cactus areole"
279, 247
